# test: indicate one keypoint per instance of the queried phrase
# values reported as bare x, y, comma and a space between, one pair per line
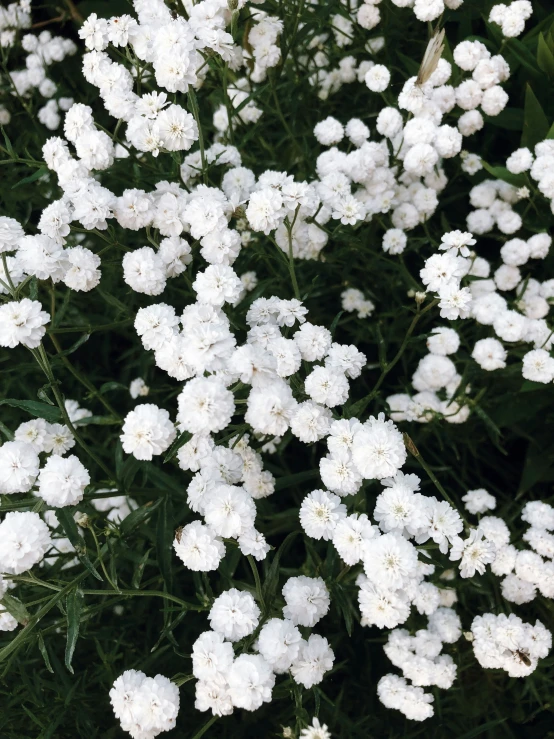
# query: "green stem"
414, 451
193, 102
360, 407
42, 360
257, 581
83, 380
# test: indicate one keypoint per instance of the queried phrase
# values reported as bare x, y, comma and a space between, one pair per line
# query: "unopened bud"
420, 297
82, 520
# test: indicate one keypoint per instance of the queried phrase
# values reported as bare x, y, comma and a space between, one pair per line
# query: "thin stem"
414, 451
360, 407
257, 580
291, 257
196, 113
102, 565
83, 380
42, 360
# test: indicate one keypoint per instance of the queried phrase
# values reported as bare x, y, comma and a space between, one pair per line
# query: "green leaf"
545, 58
509, 118
345, 607
113, 301
8, 143
409, 64
107, 386
272, 577
16, 608
288, 481
42, 394
39, 410
481, 729
80, 341
32, 177
535, 122
74, 605
139, 572
67, 522
97, 421
520, 54
180, 441
501, 173
335, 323
44, 652
164, 539
136, 517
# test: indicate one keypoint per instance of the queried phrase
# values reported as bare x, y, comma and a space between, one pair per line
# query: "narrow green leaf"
32, 177
42, 394
74, 606
501, 173
39, 410
16, 608
517, 53
335, 323
67, 522
164, 538
112, 300
205, 728
138, 516
180, 441
80, 341
481, 729
44, 652
97, 421
139, 572
288, 481
8, 143
545, 58
272, 578
107, 386
535, 122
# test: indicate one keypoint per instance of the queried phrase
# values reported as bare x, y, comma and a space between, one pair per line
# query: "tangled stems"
43, 362
359, 407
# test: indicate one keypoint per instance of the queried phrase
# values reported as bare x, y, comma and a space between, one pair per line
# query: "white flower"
145, 706
177, 128
205, 406
314, 659
234, 614
279, 644
211, 656
198, 547
19, 466
378, 449
479, 501
24, 540
229, 510
475, 552
318, 730
350, 537
442, 524
319, 514
22, 322
62, 481
307, 600
390, 561
147, 431
250, 681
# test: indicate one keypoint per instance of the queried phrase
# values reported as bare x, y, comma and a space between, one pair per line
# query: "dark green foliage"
126, 602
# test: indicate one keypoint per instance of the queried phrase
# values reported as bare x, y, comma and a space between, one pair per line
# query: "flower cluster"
244, 383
